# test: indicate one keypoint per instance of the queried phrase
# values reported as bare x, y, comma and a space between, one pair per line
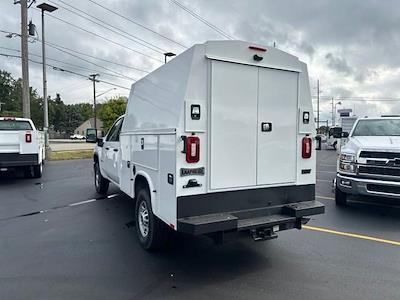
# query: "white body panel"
233, 140
235, 94
13, 141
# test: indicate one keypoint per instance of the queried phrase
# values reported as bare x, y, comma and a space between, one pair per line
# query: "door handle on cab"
107, 148
115, 150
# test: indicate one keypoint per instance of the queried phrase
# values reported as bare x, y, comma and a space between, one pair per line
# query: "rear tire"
340, 197
152, 233
37, 170
100, 182
27, 172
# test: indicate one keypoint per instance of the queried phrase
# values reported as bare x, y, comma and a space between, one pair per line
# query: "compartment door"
233, 134
277, 126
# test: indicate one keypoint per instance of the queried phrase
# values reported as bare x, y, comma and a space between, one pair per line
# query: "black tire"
340, 197
156, 234
100, 182
334, 145
28, 172
37, 170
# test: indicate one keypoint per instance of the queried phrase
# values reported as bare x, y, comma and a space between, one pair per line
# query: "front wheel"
100, 182
152, 233
340, 197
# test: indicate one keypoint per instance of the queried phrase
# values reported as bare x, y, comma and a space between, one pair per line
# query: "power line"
137, 23
98, 58
201, 19
88, 61
68, 64
87, 55
65, 70
117, 31
362, 99
103, 38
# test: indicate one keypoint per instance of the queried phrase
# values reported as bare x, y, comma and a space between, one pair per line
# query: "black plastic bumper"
286, 207
9, 160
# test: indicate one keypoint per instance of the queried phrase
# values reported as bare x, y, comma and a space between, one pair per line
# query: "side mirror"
345, 134
100, 142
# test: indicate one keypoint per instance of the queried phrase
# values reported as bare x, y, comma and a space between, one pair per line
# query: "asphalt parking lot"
58, 240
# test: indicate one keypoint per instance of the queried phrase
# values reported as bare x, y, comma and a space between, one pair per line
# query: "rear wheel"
152, 233
340, 197
100, 182
37, 170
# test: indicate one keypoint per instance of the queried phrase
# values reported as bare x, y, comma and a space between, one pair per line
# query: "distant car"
77, 137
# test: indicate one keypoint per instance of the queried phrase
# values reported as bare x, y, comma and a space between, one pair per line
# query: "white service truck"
369, 163
217, 141
21, 146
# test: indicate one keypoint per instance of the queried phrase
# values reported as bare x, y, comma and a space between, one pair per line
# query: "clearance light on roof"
257, 48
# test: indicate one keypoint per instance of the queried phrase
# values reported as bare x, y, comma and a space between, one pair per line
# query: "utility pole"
317, 105
45, 7
93, 78
332, 114
26, 105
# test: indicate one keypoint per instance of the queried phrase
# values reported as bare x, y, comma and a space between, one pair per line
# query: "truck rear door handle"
107, 148
115, 150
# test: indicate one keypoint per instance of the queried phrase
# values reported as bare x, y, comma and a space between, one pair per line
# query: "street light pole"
26, 105
168, 54
45, 7
334, 119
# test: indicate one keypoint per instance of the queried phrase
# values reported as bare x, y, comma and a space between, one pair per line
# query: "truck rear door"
253, 125
277, 126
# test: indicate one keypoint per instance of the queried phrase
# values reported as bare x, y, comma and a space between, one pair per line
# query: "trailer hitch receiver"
263, 234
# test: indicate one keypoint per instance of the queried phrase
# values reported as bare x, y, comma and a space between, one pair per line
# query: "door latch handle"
107, 148
266, 126
115, 150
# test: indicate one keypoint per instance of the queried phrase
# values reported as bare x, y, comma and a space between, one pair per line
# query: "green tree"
111, 110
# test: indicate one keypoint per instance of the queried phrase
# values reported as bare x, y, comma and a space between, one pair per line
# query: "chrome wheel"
143, 219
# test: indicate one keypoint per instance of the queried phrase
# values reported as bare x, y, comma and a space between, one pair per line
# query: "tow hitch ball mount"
263, 234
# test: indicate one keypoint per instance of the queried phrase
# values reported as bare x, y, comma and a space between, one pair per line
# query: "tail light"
28, 138
306, 147
192, 149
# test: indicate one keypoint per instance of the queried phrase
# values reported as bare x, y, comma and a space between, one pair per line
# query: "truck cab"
369, 163
21, 146
215, 142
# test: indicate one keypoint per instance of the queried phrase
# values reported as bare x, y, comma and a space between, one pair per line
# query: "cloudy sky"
352, 47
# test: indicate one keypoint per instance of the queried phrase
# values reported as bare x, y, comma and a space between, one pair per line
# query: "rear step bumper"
8, 160
288, 216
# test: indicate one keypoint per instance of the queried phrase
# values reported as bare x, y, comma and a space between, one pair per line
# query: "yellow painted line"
353, 235
323, 197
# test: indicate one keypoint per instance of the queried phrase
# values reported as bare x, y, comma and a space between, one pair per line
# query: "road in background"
77, 245
70, 145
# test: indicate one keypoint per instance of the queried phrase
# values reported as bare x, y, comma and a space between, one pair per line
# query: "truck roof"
15, 118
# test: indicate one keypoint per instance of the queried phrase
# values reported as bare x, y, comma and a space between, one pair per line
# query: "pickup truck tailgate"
9, 142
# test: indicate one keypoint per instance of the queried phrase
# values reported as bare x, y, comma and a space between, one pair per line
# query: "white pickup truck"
369, 163
215, 142
21, 146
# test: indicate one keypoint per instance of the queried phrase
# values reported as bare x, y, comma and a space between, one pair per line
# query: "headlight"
347, 157
347, 163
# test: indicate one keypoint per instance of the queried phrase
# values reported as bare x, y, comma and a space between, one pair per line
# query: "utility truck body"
21, 146
218, 140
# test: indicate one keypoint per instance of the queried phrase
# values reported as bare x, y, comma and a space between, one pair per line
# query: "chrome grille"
386, 164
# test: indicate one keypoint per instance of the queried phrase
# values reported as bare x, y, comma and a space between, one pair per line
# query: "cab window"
113, 134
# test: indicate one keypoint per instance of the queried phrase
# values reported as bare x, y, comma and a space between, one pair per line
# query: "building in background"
89, 124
